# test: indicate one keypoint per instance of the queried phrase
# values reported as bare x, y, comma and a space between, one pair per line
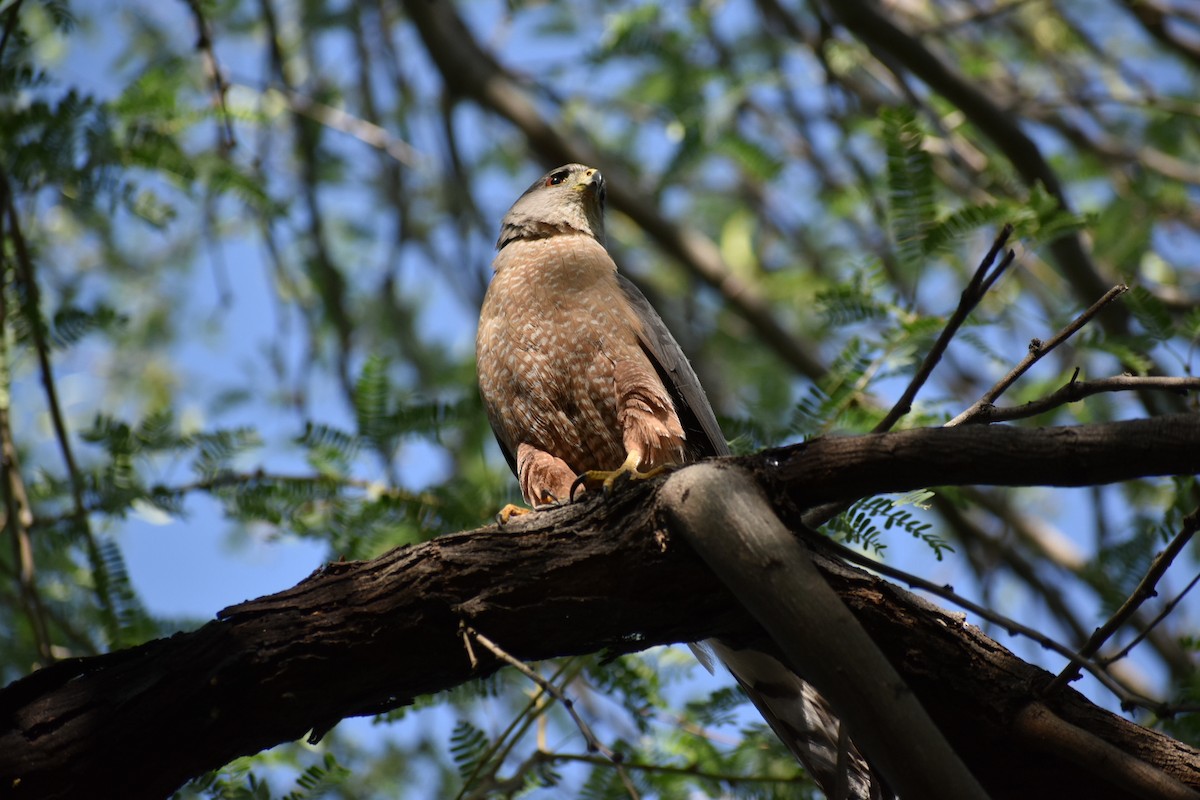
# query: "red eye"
557, 178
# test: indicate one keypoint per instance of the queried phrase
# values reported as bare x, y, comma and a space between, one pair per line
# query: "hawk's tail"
803, 721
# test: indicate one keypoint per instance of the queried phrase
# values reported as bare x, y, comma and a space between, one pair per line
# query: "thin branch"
324, 272
1166, 611
1037, 350
10, 25
17, 518
1154, 19
224, 480
1123, 693
1048, 548
508, 738
878, 31
1144, 591
340, 120
593, 743
1075, 390
24, 275
17, 515
974, 537
983, 280
1112, 150
694, 770
226, 141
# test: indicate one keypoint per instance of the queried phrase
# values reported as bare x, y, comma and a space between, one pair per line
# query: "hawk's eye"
557, 178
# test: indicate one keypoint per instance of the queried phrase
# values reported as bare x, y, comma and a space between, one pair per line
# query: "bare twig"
226, 141
695, 770
1127, 696
1037, 350
1144, 591
24, 274
593, 743
508, 738
983, 280
1075, 390
338, 119
1166, 611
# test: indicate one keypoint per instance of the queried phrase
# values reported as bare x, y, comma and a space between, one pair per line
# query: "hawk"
580, 377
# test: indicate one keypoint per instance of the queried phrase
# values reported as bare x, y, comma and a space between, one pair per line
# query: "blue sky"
193, 567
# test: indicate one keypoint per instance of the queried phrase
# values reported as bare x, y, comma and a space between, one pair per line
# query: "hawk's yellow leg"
608, 478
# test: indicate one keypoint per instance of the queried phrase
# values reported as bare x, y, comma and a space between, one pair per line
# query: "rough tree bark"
360, 638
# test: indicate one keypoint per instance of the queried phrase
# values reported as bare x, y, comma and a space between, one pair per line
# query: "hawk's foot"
547, 501
608, 478
511, 510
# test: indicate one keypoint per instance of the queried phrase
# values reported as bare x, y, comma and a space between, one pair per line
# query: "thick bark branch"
726, 519
359, 638
833, 468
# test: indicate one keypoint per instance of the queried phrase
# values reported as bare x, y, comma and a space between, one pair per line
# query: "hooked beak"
592, 181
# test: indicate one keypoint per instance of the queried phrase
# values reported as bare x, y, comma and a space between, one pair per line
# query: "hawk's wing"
796, 712
704, 435
803, 721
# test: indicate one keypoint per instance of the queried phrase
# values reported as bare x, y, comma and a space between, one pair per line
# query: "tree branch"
1075, 390
1144, 591
25, 280
362, 637
838, 468
471, 72
1038, 724
1037, 350
869, 24
723, 515
983, 280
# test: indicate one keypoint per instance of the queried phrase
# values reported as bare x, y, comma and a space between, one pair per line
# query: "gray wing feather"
803, 721
691, 404
792, 707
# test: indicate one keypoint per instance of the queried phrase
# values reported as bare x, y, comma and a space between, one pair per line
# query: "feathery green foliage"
252, 274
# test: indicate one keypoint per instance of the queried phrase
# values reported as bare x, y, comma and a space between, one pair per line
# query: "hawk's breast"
552, 327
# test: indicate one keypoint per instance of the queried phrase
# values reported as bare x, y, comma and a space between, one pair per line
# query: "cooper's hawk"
579, 374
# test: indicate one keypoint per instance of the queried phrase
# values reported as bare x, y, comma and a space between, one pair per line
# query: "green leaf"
910, 186
468, 746
1151, 313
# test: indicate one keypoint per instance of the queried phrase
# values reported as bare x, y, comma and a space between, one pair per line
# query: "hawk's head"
569, 199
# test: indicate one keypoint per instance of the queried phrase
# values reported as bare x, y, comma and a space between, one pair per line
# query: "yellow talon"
509, 511
608, 478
